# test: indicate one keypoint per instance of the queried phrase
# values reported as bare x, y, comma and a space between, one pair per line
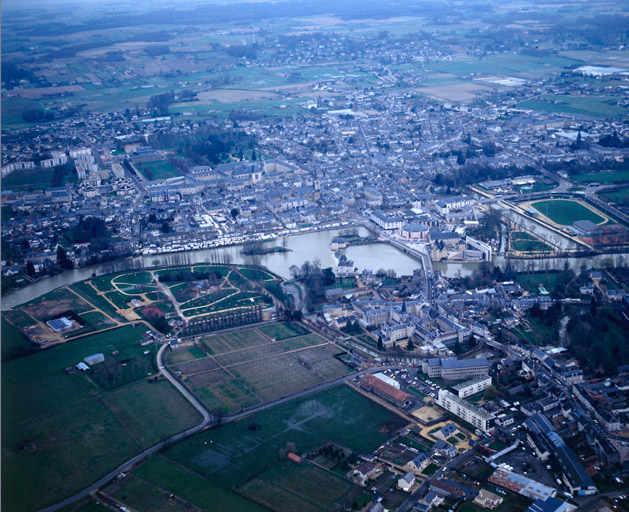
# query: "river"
304, 247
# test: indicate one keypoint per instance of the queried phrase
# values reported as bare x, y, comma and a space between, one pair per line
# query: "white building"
466, 411
471, 387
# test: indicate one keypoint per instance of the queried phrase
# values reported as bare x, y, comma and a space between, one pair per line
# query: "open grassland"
566, 212
287, 486
61, 432
233, 454
596, 106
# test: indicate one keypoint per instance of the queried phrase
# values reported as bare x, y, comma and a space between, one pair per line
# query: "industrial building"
455, 369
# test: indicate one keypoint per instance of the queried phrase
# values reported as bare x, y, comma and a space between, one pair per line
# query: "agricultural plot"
286, 486
565, 212
247, 367
13, 343
282, 331
63, 431
84, 289
594, 106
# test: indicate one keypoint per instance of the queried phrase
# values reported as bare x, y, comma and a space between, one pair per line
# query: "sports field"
565, 211
243, 368
158, 170
61, 431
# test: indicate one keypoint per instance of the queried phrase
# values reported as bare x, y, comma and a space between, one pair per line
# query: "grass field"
525, 242
595, 106
61, 432
233, 454
13, 343
287, 486
32, 179
531, 281
565, 211
283, 331
618, 196
604, 177
158, 170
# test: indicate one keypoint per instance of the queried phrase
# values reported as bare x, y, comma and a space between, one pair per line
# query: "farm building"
386, 391
94, 359
60, 324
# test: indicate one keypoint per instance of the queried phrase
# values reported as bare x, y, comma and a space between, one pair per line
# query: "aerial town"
317, 258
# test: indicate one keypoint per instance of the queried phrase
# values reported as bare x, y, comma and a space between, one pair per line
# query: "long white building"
466, 411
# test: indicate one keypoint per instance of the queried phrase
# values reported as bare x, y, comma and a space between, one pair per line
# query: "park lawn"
283, 331
525, 242
13, 343
233, 454
152, 411
157, 170
103, 283
133, 278
566, 211
193, 488
604, 177
256, 274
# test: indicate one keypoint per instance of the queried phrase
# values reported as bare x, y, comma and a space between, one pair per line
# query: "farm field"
566, 212
247, 367
62, 431
595, 106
